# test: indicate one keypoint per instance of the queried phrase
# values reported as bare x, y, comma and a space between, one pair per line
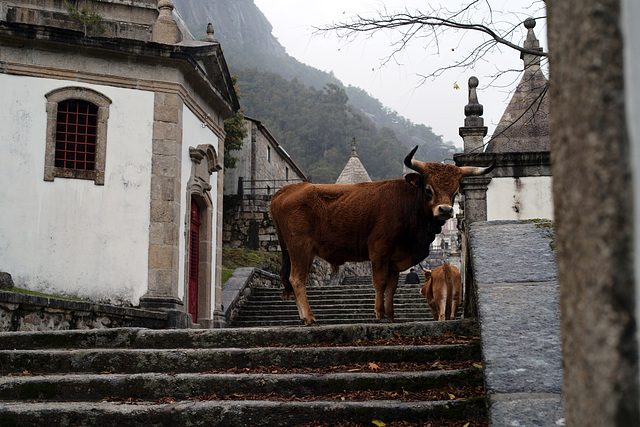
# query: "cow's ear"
414, 179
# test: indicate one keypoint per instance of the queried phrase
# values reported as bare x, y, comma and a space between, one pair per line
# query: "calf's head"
440, 182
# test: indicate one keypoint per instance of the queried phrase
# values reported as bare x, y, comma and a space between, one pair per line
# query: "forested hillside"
310, 112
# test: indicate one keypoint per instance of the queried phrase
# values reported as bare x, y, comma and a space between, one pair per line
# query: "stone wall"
20, 312
247, 223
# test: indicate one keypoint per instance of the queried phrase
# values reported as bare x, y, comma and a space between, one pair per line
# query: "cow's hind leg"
300, 267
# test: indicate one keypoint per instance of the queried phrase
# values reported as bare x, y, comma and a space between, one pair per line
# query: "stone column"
164, 228
473, 133
474, 189
594, 211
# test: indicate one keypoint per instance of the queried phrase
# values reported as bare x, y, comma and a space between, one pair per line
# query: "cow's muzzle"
443, 212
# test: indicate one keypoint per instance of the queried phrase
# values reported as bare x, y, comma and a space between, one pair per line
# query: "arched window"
76, 134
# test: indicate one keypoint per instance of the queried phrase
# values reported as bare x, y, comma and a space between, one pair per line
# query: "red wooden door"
194, 245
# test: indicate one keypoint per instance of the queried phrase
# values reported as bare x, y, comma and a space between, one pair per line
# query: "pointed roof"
353, 171
524, 125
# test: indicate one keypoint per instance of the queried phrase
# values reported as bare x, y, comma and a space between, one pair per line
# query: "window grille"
76, 130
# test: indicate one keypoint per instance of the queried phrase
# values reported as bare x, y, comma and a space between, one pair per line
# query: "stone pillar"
474, 189
594, 211
164, 229
473, 133
474, 129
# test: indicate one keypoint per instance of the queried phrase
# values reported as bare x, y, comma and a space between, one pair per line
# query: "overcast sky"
435, 103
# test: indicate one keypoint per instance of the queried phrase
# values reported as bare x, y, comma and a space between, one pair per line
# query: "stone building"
520, 185
262, 167
111, 143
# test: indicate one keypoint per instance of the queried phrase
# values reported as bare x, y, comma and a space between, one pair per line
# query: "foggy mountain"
311, 113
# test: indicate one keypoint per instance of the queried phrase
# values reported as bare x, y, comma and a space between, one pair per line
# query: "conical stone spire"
354, 170
524, 126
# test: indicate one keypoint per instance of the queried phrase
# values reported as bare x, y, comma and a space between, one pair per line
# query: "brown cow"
390, 223
443, 290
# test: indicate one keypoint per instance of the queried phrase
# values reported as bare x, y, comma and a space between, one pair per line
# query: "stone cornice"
186, 58
514, 165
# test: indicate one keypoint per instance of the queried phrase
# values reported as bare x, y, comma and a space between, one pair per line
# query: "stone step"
199, 360
234, 413
338, 305
182, 386
140, 377
329, 312
227, 337
361, 288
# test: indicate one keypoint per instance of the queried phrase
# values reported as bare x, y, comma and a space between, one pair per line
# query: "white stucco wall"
195, 134
72, 237
522, 198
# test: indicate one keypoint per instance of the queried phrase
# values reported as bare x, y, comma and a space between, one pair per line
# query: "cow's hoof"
313, 323
383, 319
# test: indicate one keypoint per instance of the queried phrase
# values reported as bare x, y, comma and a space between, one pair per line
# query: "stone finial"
353, 147
209, 37
166, 8
531, 61
165, 29
474, 130
473, 110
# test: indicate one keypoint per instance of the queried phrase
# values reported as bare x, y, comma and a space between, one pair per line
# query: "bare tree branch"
474, 16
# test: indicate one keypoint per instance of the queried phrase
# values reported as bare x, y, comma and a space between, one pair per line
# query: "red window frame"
76, 135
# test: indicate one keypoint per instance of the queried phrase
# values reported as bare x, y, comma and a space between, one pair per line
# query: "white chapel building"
111, 154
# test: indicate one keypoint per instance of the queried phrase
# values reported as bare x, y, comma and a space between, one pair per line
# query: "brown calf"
443, 290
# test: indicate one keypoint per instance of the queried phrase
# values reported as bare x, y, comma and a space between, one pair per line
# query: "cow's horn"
474, 171
410, 163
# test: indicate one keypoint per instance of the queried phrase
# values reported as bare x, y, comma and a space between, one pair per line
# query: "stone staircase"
243, 377
350, 303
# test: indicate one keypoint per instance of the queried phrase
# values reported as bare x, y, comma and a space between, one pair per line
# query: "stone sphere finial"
165, 4
473, 110
529, 23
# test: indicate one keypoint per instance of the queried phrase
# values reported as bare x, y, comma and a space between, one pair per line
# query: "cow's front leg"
379, 275
389, 292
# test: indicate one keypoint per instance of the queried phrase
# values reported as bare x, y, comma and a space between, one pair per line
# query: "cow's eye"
428, 194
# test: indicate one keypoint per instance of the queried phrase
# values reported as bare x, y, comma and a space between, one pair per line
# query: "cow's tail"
284, 273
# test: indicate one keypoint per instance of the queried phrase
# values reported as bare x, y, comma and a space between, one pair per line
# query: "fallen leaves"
447, 338
447, 393
438, 365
